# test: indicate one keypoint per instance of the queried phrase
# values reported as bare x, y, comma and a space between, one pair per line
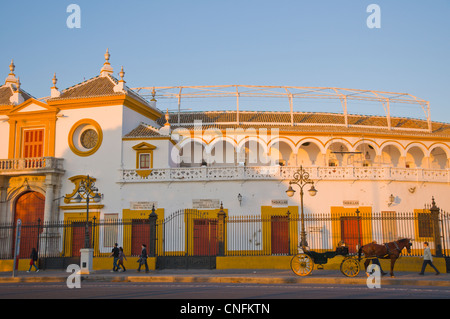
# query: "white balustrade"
285, 173
30, 164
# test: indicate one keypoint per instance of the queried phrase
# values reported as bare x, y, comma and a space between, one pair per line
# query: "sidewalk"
236, 276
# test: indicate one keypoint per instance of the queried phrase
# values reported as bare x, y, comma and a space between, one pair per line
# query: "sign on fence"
143, 205
279, 203
205, 203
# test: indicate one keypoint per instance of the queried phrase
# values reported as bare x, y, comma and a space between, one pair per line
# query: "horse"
391, 250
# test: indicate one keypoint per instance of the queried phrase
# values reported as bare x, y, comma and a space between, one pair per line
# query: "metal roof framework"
289, 92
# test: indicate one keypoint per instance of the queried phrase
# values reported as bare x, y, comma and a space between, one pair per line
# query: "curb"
228, 279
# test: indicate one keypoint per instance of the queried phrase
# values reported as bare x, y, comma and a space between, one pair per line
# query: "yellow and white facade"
140, 156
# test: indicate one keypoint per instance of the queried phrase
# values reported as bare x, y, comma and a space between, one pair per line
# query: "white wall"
178, 195
104, 163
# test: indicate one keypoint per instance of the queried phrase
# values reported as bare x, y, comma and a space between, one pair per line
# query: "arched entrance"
29, 208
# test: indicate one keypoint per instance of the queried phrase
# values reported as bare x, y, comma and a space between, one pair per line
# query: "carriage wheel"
302, 264
350, 267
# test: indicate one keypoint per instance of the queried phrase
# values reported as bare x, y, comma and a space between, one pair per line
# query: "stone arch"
397, 145
282, 151
338, 159
29, 207
254, 150
438, 157
369, 152
391, 155
415, 156
222, 152
310, 152
192, 152
442, 146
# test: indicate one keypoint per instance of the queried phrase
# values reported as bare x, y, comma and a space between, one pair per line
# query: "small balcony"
31, 166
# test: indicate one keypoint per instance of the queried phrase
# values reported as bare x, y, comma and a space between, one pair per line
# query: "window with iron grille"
425, 225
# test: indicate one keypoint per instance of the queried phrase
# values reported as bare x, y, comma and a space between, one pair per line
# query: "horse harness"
389, 252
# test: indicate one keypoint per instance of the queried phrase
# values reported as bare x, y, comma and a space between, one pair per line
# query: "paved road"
192, 291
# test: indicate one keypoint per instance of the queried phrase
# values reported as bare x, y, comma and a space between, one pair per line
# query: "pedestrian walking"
143, 258
33, 260
115, 255
121, 258
427, 259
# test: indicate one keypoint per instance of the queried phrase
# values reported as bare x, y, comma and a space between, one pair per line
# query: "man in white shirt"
427, 259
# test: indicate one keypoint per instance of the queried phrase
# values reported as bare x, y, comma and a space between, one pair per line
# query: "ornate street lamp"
87, 191
301, 179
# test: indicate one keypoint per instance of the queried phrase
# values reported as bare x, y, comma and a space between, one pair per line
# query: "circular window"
85, 137
89, 138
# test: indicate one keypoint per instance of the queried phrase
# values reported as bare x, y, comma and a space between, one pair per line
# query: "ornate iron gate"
187, 239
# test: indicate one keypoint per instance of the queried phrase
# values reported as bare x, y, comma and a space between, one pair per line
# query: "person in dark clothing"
121, 257
143, 259
115, 255
33, 259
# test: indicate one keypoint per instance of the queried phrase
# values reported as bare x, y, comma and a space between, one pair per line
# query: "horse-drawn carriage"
302, 264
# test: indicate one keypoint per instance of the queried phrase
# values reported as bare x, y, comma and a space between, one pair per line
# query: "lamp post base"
86, 261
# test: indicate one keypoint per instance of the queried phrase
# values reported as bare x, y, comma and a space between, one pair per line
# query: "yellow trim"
149, 139
144, 148
77, 181
189, 220
81, 207
267, 212
144, 172
124, 100
68, 231
97, 127
128, 215
18, 121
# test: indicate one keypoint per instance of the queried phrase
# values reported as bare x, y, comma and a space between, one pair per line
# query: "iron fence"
194, 233
280, 234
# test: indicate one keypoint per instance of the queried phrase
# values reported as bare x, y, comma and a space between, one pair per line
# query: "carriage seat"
341, 249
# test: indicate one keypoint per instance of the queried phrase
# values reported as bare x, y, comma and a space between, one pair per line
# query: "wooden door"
205, 237
280, 235
29, 208
351, 232
140, 234
78, 237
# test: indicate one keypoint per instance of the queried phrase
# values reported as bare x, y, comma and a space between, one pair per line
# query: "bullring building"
188, 166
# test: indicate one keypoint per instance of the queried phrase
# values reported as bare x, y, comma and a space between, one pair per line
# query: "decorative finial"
433, 203
121, 73
167, 118
54, 93
106, 69
11, 78
54, 80
18, 84
107, 55
12, 67
153, 94
120, 87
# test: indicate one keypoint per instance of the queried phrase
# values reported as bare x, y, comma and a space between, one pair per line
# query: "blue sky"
200, 42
